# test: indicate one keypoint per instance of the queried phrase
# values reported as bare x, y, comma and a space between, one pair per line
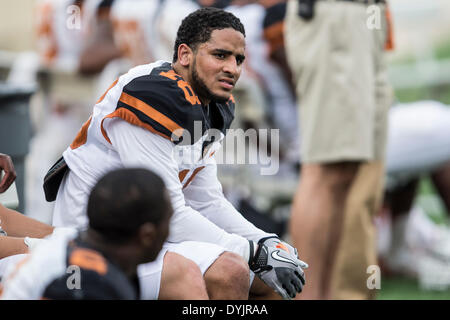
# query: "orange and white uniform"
151, 118
66, 268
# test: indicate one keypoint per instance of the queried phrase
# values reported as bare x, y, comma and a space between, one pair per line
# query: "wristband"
252, 251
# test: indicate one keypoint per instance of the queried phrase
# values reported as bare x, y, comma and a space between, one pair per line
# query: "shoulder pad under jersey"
161, 101
164, 103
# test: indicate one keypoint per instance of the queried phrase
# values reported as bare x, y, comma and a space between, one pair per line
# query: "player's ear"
185, 55
147, 234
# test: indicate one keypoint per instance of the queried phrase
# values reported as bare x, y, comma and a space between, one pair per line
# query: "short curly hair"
197, 27
123, 200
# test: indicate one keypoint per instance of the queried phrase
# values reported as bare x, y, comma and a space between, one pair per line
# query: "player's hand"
6, 165
278, 268
63, 232
58, 232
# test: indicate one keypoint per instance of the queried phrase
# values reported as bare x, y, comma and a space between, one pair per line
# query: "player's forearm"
223, 214
11, 246
157, 155
16, 224
205, 195
188, 225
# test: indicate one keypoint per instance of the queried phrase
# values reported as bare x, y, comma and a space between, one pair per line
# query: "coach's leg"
316, 222
357, 247
228, 278
181, 279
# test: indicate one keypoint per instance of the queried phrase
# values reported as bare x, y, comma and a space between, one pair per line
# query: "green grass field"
402, 288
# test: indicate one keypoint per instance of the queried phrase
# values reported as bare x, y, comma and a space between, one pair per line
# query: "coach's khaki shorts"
357, 251
341, 81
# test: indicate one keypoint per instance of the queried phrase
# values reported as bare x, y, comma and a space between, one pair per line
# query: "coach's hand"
276, 263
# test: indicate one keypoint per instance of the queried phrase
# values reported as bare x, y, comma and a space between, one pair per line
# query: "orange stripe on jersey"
106, 92
131, 118
150, 112
183, 174
197, 170
88, 259
81, 137
183, 85
170, 74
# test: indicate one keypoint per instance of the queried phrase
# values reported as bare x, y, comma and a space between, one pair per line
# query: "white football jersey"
151, 117
418, 140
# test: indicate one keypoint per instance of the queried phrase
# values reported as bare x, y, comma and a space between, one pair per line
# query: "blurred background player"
63, 29
410, 242
129, 212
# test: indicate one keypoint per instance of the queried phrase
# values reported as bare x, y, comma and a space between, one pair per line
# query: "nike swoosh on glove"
274, 241
279, 269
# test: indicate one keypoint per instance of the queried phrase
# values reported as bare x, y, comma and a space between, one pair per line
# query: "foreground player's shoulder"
90, 276
161, 100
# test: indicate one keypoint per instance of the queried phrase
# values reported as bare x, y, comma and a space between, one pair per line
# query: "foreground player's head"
209, 52
131, 206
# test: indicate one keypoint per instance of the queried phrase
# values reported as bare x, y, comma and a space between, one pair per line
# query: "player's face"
217, 65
